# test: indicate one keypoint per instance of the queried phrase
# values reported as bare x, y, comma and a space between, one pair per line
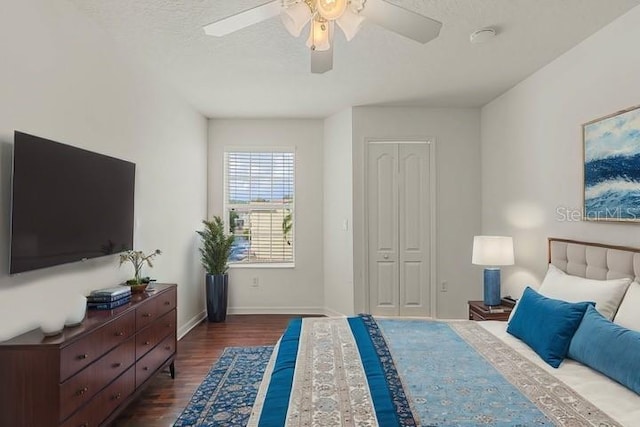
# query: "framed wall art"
612, 167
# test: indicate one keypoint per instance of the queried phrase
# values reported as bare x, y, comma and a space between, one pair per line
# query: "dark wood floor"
163, 401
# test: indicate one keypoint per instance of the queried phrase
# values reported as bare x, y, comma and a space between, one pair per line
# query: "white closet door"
398, 229
414, 223
384, 291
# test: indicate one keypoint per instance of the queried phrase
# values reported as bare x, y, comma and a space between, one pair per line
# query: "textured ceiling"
261, 71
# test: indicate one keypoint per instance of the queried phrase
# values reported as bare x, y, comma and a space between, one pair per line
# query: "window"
259, 195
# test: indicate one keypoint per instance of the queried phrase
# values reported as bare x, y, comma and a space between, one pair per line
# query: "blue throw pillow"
546, 325
608, 348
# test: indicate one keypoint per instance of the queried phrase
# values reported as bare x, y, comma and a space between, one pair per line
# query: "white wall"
532, 154
280, 290
338, 214
457, 146
62, 78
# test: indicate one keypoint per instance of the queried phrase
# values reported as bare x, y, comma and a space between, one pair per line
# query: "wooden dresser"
88, 374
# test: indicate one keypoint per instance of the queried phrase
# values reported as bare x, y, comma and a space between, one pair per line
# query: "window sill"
263, 265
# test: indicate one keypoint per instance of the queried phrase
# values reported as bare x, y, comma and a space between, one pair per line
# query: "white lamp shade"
320, 35
295, 18
350, 23
492, 250
331, 9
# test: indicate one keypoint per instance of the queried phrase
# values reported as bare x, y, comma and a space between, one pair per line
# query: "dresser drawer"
150, 336
146, 313
166, 301
117, 331
166, 325
154, 359
82, 386
86, 350
112, 396
77, 390
146, 340
84, 418
104, 403
115, 362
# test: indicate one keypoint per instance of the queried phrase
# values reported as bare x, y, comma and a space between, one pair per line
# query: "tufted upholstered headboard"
594, 260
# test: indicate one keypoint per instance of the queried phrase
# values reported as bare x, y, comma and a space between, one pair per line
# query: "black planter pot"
216, 288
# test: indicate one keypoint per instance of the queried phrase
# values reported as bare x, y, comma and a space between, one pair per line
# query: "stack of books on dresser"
109, 298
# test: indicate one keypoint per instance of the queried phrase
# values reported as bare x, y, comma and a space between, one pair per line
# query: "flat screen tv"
68, 204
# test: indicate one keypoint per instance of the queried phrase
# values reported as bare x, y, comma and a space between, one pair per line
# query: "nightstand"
479, 311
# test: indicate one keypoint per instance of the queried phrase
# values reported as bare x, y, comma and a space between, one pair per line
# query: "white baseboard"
285, 310
184, 330
276, 310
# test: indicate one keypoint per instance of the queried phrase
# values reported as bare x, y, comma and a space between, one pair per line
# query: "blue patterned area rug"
227, 394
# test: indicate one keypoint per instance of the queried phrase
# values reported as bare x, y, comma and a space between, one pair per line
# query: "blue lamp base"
491, 286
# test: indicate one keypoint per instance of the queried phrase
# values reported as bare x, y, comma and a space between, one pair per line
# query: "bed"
361, 371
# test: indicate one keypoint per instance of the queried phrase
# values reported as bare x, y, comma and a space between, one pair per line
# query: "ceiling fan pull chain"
312, 35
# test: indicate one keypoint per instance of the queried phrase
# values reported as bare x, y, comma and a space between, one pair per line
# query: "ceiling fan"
323, 15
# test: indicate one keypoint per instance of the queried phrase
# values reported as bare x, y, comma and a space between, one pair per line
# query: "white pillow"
607, 294
628, 314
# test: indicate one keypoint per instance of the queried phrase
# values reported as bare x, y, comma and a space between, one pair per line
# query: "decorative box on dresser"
88, 374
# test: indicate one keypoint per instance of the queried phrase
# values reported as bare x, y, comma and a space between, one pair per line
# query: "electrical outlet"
255, 282
444, 286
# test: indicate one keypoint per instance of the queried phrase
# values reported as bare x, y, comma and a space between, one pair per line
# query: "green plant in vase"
138, 259
214, 254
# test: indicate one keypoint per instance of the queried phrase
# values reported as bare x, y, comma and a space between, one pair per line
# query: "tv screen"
68, 204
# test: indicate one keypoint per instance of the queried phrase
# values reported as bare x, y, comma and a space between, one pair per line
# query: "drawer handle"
82, 391
119, 334
116, 365
146, 314
147, 342
146, 368
167, 303
85, 424
168, 347
82, 356
117, 396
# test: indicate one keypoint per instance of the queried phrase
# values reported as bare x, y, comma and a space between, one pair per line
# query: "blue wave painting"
612, 168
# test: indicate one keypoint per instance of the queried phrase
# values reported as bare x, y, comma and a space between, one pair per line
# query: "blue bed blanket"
359, 372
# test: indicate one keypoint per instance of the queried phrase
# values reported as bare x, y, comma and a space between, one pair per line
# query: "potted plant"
215, 251
138, 259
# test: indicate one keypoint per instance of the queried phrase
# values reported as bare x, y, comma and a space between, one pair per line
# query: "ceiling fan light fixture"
295, 17
350, 23
320, 35
331, 9
323, 15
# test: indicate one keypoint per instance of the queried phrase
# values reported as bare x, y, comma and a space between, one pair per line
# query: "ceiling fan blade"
402, 21
244, 19
321, 61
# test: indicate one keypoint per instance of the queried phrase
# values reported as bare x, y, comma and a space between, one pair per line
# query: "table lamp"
492, 251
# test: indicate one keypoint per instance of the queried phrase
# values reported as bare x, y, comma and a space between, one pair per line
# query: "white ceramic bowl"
52, 324
77, 309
